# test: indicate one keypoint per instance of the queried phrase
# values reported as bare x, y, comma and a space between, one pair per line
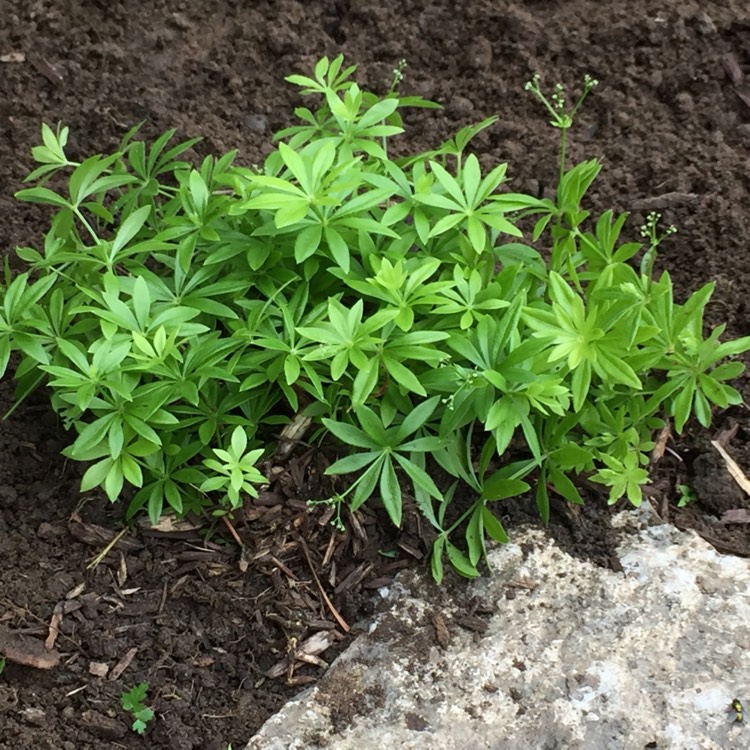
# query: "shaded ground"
207, 625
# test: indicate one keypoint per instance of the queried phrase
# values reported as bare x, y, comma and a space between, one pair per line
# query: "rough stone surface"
571, 656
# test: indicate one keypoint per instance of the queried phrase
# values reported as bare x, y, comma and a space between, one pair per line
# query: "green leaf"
349, 434
372, 425
365, 382
580, 384
296, 166
444, 224
475, 535
499, 487
116, 438
477, 234
291, 212
390, 492
42, 195
366, 483
113, 482
307, 243
130, 228
471, 175
403, 375
436, 559
681, 406
142, 429
141, 302
198, 192
732, 348
339, 249
155, 504
378, 112
352, 463
493, 527
702, 408
417, 418
96, 474
562, 483
728, 371
448, 182
131, 470
419, 477
570, 456
239, 442
460, 562
422, 445
292, 369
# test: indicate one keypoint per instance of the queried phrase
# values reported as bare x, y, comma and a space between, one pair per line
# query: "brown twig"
95, 562
737, 77
339, 619
233, 531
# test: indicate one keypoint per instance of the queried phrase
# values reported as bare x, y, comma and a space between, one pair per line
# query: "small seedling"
687, 495
2, 664
132, 701
736, 706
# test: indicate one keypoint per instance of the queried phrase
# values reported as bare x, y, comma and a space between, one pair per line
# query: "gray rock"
572, 656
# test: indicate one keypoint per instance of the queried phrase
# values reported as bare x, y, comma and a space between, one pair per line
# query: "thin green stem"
563, 148
85, 223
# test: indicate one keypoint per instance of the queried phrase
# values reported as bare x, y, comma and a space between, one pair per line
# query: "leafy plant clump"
183, 317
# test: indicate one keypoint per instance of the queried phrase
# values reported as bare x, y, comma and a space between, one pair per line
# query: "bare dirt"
181, 609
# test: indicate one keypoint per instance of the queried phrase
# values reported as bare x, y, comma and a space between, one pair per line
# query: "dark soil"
183, 611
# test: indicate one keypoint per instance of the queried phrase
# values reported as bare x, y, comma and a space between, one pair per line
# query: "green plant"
132, 701
687, 495
181, 316
2, 664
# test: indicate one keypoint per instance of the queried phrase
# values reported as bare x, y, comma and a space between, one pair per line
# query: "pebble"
255, 123
705, 24
50, 531
685, 102
103, 726
480, 53
460, 106
34, 716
